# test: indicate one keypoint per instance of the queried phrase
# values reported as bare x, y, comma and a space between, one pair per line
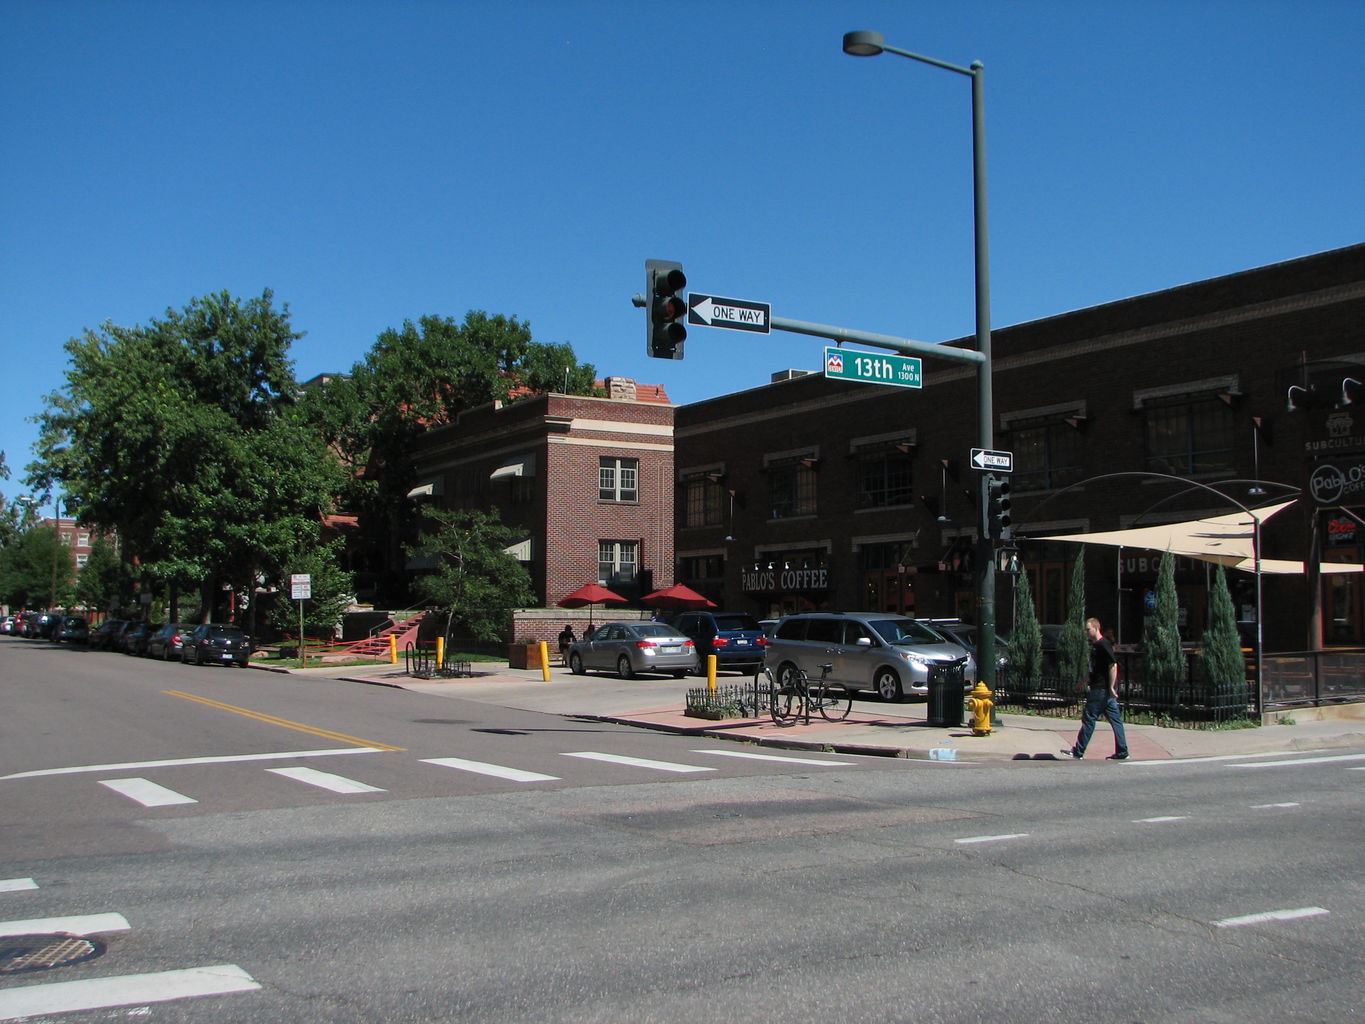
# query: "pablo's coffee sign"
1341, 482
783, 581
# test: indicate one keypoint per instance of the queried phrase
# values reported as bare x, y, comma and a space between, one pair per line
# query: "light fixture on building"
1256, 490
1289, 398
1346, 398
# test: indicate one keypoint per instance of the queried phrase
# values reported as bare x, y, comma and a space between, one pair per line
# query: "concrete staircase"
377, 646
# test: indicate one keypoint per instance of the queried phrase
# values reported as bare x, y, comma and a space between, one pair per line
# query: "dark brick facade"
1102, 390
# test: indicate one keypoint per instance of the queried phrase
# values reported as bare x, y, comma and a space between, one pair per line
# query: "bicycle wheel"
784, 702
833, 701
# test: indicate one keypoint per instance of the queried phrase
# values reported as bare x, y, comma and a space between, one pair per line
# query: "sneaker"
1117, 757
1071, 752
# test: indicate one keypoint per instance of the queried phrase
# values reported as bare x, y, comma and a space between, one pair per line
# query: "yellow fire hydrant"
980, 704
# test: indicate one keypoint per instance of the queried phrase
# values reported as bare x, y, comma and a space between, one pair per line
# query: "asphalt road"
455, 861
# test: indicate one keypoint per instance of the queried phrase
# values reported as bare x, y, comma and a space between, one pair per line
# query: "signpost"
992, 462
301, 589
874, 367
733, 314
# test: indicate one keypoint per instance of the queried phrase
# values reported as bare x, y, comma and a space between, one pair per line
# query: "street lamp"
870, 44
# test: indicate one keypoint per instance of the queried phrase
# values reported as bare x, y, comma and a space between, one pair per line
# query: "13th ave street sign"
874, 367
996, 462
733, 314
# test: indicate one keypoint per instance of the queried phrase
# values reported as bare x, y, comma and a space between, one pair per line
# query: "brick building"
587, 481
816, 493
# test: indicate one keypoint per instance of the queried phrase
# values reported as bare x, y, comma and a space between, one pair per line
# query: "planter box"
523, 655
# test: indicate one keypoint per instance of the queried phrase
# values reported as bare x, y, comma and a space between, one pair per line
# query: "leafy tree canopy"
33, 565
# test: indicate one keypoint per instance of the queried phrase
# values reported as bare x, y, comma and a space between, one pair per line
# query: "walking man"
1102, 697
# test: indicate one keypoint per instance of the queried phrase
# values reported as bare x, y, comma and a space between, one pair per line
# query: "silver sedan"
630, 647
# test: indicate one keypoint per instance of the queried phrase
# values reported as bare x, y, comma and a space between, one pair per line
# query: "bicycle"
794, 696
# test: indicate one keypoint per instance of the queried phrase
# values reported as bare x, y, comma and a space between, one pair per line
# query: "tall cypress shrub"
1165, 661
1224, 668
1072, 650
1026, 642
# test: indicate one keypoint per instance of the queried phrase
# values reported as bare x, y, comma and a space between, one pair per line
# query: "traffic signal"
998, 507
665, 331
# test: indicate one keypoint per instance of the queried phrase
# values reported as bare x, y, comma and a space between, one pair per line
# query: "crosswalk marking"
1204, 760
86, 924
1166, 817
770, 757
992, 839
496, 770
146, 792
325, 780
1301, 760
175, 762
1270, 915
127, 990
638, 762
17, 884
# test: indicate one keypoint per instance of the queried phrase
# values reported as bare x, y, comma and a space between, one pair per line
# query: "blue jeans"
1099, 701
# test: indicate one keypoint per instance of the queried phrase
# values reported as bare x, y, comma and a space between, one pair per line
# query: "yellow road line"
286, 723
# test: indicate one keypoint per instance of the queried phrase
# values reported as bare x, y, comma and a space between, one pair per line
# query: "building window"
791, 489
1046, 456
618, 561
704, 502
81, 560
702, 567
1190, 436
884, 479
618, 479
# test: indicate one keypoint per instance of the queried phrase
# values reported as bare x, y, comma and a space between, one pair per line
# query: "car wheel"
623, 668
787, 675
576, 664
680, 675
888, 685
240, 664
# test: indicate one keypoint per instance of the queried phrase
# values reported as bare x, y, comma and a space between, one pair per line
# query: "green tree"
417, 377
332, 589
182, 438
106, 581
474, 577
1224, 668
1072, 650
37, 570
1026, 641
1165, 660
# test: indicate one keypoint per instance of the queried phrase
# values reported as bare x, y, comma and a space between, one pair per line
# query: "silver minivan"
890, 654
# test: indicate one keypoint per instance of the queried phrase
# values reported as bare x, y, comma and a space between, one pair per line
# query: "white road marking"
128, 990
638, 762
1214, 757
1270, 915
87, 924
1167, 817
991, 839
325, 780
1262, 807
175, 762
147, 793
770, 757
496, 770
1302, 760
17, 884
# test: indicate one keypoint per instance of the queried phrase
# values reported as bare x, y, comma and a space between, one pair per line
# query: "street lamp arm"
870, 44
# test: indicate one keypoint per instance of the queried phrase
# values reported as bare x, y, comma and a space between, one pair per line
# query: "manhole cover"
43, 952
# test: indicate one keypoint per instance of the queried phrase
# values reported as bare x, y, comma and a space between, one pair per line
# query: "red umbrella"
678, 597
589, 595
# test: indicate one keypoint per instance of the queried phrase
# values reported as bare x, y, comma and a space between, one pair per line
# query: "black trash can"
945, 694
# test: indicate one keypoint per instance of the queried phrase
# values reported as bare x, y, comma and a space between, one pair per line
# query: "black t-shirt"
1101, 657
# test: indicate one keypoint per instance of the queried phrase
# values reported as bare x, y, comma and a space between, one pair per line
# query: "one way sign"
734, 314
995, 462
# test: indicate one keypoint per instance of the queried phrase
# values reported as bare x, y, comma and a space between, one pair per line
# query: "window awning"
1227, 539
522, 465
521, 550
427, 489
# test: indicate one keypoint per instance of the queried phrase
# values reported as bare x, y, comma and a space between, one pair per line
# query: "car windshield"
227, 631
904, 631
655, 629
738, 622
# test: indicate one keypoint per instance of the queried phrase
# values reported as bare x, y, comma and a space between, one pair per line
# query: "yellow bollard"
440, 653
393, 648
711, 672
980, 705
544, 661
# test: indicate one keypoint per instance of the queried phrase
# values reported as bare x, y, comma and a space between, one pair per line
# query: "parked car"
889, 654
216, 643
135, 640
166, 642
102, 637
631, 647
119, 642
73, 630
735, 638
41, 625
964, 635
7, 624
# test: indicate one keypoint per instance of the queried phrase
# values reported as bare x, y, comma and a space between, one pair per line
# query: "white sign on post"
301, 586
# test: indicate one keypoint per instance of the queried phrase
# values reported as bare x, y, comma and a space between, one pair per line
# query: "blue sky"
376, 162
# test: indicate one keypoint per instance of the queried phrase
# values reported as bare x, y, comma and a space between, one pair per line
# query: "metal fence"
1297, 679
420, 663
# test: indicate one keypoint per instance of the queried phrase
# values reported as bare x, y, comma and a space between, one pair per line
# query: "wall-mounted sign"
783, 581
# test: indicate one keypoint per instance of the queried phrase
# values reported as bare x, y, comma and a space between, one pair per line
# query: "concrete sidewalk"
893, 730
